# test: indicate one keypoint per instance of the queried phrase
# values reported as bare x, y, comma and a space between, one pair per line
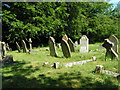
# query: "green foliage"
43, 19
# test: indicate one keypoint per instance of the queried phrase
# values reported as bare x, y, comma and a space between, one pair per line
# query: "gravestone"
65, 48
18, 47
24, 46
84, 41
109, 50
76, 44
65, 37
114, 40
52, 47
4, 52
7, 47
71, 44
30, 44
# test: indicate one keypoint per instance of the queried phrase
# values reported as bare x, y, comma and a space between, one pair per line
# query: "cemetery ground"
29, 72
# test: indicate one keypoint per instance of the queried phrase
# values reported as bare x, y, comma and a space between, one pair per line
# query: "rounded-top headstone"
84, 41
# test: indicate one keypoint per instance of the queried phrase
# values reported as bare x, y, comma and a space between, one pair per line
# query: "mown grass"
29, 72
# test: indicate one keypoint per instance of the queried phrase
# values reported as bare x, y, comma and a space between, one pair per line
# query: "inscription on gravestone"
84, 41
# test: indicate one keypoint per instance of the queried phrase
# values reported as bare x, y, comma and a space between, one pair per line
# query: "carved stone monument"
84, 42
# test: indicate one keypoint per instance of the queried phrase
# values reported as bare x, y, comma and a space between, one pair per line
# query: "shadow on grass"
18, 79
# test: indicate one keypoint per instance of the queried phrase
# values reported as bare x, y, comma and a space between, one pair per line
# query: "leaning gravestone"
84, 41
24, 46
71, 44
18, 47
109, 51
114, 40
65, 37
52, 47
65, 48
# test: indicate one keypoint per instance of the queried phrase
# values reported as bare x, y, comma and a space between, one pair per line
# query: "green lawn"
29, 72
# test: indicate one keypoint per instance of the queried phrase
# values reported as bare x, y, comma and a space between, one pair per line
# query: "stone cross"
65, 37
18, 47
65, 48
24, 46
84, 42
71, 44
52, 47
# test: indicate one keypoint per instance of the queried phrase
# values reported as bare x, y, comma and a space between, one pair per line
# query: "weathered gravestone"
7, 47
71, 44
65, 48
76, 44
18, 47
24, 46
114, 40
3, 49
65, 37
52, 47
84, 41
109, 50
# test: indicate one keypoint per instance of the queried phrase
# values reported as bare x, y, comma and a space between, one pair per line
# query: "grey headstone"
18, 47
65, 48
84, 44
52, 47
114, 40
24, 46
76, 44
71, 44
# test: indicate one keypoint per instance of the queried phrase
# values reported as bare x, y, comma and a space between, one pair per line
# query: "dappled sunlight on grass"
29, 71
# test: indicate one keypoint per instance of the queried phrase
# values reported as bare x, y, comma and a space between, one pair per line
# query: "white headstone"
84, 41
